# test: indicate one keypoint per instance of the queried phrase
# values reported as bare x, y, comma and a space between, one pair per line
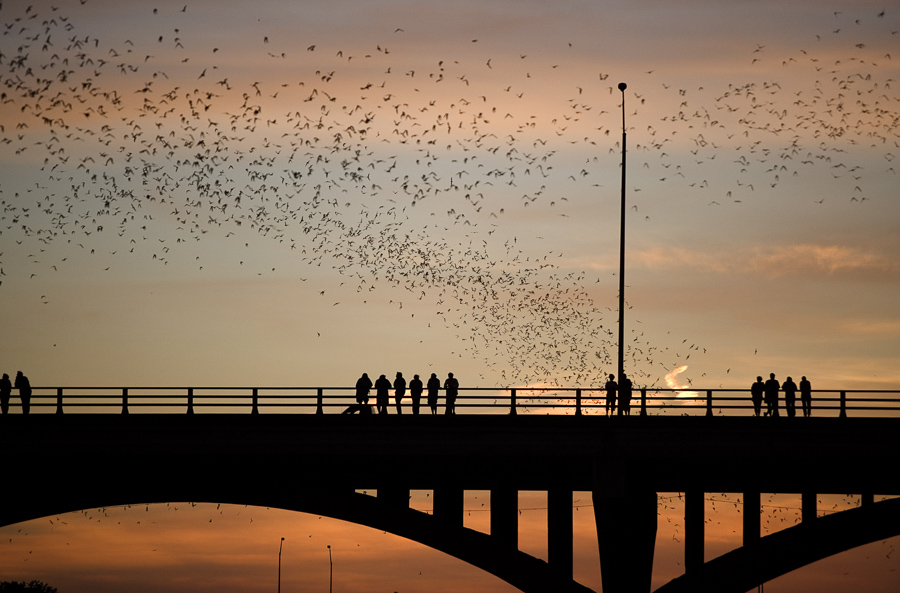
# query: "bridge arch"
517, 568
789, 549
737, 571
521, 570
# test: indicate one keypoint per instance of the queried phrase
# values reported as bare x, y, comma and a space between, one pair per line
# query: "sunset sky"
288, 193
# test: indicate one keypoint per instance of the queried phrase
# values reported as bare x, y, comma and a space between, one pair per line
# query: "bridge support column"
396, 498
752, 529
694, 530
807, 506
448, 505
626, 533
751, 517
505, 517
559, 531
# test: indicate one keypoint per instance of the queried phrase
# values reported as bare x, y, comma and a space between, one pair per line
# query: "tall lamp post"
280, 546
622, 87
330, 571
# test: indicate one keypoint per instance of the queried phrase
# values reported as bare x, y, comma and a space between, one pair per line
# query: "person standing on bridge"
806, 397
451, 385
771, 390
756, 394
624, 395
5, 391
382, 387
415, 392
363, 385
399, 391
611, 388
24, 387
434, 385
790, 397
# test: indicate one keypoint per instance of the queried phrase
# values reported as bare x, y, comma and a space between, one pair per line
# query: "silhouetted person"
771, 393
624, 395
399, 391
434, 385
790, 397
806, 397
363, 385
611, 388
756, 394
382, 387
415, 392
451, 386
5, 391
24, 388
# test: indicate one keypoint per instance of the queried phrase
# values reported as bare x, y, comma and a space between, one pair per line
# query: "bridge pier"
694, 530
625, 514
395, 498
448, 505
751, 517
559, 531
505, 517
807, 506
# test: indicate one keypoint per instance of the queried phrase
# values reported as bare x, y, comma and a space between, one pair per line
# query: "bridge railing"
473, 400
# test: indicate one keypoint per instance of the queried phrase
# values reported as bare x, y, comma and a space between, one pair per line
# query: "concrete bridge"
317, 463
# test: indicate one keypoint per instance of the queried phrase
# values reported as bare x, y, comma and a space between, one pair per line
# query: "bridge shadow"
775, 555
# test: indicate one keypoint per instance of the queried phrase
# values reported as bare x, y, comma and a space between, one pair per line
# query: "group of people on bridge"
383, 386
6, 387
618, 394
768, 392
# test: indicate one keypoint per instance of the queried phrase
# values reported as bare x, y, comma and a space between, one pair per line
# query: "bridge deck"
666, 454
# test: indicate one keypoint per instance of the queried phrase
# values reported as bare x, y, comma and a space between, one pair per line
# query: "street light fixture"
280, 546
330, 571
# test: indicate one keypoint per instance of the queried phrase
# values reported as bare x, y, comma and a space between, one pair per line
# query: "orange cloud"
774, 261
830, 259
672, 383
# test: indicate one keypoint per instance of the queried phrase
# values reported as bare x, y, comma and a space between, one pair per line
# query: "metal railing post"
512, 402
319, 402
709, 402
643, 401
843, 413
190, 402
124, 400
255, 409
59, 398
578, 402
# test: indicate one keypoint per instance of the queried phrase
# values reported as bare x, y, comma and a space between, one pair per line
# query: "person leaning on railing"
434, 385
790, 396
756, 395
24, 387
5, 391
806, 397
771, 390
451, 385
